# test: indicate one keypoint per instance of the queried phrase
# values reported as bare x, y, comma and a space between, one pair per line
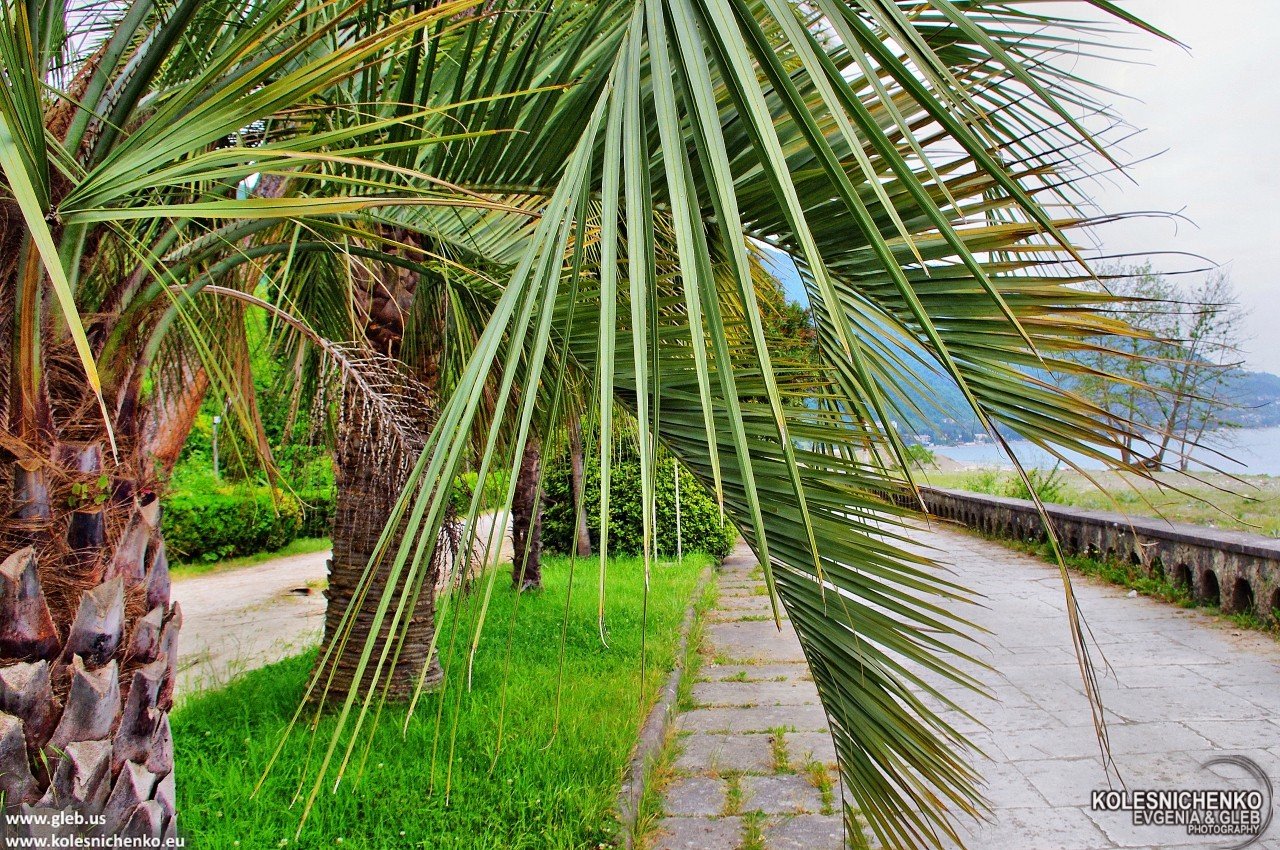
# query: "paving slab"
755, 641
698, 833
784, 794
1179, 689
713, 753
806, 832
761, 718
712, 672
788, 692
696, 796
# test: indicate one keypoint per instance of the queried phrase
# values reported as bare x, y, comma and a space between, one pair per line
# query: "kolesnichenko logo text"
1243, 812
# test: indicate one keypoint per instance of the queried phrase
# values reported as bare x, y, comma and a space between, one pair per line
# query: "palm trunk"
88, 649
88, 637
369, 479
526, 521
367, 489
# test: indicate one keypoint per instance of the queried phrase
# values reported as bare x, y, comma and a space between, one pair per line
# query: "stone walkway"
757, 767
1182, 688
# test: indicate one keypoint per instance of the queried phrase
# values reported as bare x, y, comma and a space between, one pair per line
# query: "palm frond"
898, 154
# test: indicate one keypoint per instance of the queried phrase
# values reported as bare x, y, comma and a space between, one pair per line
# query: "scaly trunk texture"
367, 490
369, 473
526, 521
88, 646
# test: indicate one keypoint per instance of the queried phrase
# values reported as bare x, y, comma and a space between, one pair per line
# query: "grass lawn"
1250, 503
301, 546
513, 781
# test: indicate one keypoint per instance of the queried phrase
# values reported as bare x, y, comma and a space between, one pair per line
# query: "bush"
700, 524
211, 522
495, 490
984, 481
1049, 485
317, 511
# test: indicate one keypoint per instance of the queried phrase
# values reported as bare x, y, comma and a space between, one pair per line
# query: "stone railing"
1233, 569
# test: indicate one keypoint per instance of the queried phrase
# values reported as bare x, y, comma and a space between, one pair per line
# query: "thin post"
217, 420
675, 471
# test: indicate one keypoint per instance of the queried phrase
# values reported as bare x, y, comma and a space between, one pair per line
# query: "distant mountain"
1253, 399
1256, 398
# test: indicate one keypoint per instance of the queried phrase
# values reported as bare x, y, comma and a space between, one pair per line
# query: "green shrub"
1047, 484
317, 511
700, 523
984, 481
1050, 485
209, 523
495, 490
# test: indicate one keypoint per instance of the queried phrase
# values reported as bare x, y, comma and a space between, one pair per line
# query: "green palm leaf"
896, 152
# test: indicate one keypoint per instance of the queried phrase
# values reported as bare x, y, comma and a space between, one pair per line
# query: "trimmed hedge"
700, 527
209, 524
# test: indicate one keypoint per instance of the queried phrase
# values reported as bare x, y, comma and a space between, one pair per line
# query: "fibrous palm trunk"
370, 471
367, 487
526, 521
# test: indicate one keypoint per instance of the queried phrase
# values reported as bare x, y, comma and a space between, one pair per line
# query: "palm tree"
372, 465
916, 161
526, 520
128, 136
605, 167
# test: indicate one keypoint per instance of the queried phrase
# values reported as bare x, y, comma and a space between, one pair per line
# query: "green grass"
819, 776
733, 793
779, 750
1250, 503
696, 648
530, 787
301, 546
752, 831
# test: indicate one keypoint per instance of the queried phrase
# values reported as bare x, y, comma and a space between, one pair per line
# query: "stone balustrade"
1233, 569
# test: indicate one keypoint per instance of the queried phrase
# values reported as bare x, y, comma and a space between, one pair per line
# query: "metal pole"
675, 470
217, 420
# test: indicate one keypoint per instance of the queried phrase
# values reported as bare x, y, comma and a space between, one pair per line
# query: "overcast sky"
1214, 109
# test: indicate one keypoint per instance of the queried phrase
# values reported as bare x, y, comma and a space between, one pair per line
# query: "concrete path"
1183, 688
241, 619
244, 618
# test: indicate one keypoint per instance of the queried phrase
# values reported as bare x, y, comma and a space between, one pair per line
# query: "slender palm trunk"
369, 479
526, 521
367, 489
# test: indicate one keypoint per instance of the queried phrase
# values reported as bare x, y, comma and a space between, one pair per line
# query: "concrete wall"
1239, 571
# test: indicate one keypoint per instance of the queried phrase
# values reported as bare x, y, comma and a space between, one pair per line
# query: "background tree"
1172, 378
526, 520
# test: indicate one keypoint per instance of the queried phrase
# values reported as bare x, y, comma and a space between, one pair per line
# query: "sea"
1239, 451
